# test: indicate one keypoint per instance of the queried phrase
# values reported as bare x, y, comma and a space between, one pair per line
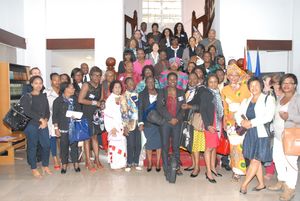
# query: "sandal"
90, 167
36, 173
236, 177
46, 170
99, 165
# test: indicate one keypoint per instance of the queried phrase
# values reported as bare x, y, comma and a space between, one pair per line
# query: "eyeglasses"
288, 83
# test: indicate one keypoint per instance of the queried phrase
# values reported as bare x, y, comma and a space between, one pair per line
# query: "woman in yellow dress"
232, 96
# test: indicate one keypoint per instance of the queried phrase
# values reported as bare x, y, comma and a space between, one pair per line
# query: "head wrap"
175, 60
233, 68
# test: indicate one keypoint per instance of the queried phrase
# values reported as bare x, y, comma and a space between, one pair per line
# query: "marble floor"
17, 184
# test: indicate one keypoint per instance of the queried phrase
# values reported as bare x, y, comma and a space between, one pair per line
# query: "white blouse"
278, 122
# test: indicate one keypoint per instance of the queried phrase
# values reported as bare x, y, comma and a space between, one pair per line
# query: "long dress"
232, 100
117, 147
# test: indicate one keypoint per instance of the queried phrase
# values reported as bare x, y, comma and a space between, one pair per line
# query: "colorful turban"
233, 68
175, 60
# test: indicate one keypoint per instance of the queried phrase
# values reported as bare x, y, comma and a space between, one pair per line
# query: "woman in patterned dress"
232, 96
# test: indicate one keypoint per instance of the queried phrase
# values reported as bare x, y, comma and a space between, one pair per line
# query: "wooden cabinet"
12, 79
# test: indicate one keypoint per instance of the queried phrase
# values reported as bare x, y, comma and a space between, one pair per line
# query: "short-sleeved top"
93, 94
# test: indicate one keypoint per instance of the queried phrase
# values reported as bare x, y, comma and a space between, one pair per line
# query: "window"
164, 12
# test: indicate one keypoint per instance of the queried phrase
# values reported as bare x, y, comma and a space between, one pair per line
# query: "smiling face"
255, 88
192, 42
96, 77
212, 83
69, 91
140, 54
234, 77
150, 83
148, 73
84, 68
37, 84
129, 67
55, 82
117, 89
193, 79
172, 81
155, 47
288, 85
207, 58
130, 86
109, 76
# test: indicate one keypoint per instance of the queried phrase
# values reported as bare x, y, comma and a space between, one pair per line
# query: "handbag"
224, 146
155, 118
16, 118
291, 141
81, 131
187, 135
239, 129
197, 121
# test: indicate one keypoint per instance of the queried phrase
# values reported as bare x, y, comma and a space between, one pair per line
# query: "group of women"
216, 99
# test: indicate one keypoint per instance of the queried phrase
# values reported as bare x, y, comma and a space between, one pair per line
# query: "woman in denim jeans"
36, 107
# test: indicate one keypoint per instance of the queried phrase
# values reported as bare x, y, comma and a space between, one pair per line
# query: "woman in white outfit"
117, 151
287, 115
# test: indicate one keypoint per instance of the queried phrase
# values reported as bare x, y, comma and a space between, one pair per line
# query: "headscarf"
233, 68
175, 60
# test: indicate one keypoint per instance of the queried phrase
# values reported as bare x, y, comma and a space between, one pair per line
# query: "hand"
246, 124
114, 132
141, 127
284, 115
173, 121
212, 129
98, 104
43, 123
57, 133
185, 106
126, 131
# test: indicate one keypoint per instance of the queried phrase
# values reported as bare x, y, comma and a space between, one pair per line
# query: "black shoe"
210, 180
179, 173
157, 169
77, 169
149, 169
259, 189
227, 167
188, 169
243, 191
63, 171
217, 174
194, 175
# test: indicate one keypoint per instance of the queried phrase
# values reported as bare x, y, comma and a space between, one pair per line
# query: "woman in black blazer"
169, 104
62, 124
148, 102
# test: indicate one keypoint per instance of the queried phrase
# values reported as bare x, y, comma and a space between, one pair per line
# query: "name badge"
182, 35
91, 96
180, 98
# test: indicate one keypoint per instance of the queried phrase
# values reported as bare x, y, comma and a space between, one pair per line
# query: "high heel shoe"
194, 175
158, 169
210, 180
243, 191
149, 169
76, 168
63, 171
217, 174
188, 169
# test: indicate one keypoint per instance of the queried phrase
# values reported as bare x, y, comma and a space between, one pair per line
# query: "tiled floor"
17, 184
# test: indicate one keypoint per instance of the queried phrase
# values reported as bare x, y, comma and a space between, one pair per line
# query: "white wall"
240, 20
11, 16
296, 40
102, 20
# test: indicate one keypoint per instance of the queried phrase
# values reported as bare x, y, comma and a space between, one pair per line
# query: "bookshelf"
13, 77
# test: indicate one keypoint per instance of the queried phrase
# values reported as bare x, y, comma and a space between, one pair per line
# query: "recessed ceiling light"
89, 57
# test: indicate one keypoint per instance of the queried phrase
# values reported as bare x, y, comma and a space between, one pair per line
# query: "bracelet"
94, 102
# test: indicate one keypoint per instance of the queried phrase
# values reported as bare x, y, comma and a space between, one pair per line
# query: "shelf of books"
13, 78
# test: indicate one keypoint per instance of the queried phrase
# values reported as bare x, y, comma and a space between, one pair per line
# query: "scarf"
218, 103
